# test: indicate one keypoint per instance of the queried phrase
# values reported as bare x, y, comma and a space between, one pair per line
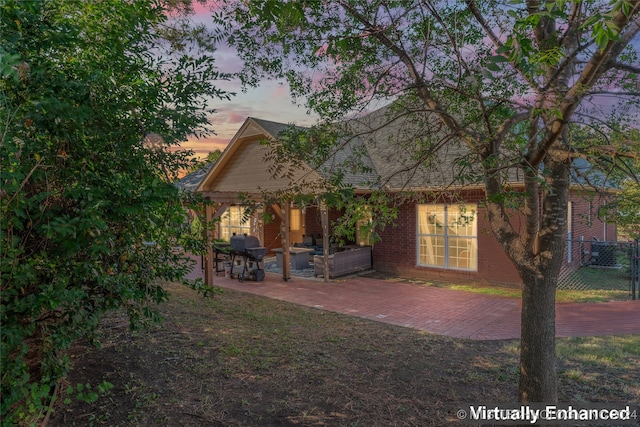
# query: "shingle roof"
584, 174
190, 182
383, 145
274, 128
391, 138
362, 176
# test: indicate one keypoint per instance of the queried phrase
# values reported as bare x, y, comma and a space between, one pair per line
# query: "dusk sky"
271, 101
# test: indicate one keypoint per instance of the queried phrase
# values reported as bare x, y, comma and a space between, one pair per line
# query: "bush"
89, 109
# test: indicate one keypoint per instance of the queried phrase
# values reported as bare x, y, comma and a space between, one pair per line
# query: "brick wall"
587, 222
397, 252
313, 222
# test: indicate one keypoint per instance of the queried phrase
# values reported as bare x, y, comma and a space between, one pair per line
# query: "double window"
234, 220
447, 236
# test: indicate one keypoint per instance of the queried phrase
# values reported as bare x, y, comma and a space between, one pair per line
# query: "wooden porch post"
284, 232
208, 260
324, 216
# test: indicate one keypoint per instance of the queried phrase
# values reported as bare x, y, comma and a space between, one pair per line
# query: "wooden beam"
208, 259
222, 208
324, 217
278, 211
229, 197
284, 233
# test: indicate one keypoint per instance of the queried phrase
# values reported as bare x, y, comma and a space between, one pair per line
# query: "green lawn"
237, 359
591, 285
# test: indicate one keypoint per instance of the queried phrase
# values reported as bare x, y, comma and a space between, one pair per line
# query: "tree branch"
610, 92
423, 91
623, 67
595, 67
471, 4
625, 38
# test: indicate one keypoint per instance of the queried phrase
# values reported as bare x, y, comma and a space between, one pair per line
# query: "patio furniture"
344, 262
299, 257
221, 255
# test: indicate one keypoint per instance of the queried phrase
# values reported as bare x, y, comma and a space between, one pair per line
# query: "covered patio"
241, 186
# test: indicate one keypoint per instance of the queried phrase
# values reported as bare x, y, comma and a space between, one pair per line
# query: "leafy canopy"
517, 82
95, 98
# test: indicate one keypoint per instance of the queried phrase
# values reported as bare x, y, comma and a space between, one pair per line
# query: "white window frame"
447, 237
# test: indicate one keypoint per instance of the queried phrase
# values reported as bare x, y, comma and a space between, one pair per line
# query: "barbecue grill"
249, 249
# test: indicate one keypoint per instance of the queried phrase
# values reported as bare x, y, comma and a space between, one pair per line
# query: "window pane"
231, 222
462, 253
447, 236
461, 221
432, 251
431, 219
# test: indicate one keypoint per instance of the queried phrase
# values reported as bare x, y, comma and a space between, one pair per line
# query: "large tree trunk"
539, 270
538, 379
537, 252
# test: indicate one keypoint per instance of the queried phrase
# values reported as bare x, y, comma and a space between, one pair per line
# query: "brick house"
437, 238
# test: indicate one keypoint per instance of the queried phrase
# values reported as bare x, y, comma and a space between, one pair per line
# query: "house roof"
391, 137
384, 144
380, 144
354, 159
583, 174
191, 181
244, 166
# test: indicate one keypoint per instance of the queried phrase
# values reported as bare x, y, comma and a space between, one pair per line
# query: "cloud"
203, 146
270, 101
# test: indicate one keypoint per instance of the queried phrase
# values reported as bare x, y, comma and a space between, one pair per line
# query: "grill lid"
242, 243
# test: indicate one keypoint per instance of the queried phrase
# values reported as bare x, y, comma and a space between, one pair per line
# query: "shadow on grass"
242, 360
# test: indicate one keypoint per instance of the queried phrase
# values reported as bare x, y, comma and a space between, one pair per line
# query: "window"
295, 220
364, 229
447, 236
232, 222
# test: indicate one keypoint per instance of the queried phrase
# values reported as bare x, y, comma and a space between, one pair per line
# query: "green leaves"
86, 393
602, 25
81, 189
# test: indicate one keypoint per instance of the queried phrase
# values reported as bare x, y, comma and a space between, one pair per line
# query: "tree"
628, 209
211, 157
92, 96
512, 80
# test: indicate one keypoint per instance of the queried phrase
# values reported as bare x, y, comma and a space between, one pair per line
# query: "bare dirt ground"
241, 360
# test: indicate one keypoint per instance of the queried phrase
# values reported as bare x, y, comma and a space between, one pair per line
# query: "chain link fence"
591, 265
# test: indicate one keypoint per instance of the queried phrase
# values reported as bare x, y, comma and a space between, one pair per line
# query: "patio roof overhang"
245, 174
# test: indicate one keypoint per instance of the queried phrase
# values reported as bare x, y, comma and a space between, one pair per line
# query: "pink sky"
271, 101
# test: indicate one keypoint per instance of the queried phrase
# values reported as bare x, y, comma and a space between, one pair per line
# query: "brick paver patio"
440, 311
